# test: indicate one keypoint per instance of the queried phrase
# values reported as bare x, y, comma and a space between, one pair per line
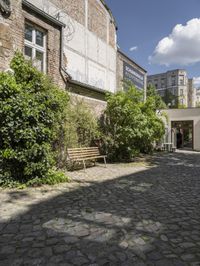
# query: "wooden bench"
84, 154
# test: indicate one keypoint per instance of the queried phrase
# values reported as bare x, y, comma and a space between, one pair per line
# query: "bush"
31, 115
130, 126
53, 177
80, 130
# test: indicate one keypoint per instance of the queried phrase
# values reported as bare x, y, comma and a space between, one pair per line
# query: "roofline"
42, 13
75, 82
122, 53
164, 73
110, 12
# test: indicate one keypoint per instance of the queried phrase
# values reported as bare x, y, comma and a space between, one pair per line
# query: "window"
173, 80
181, 92
181, 80
161, 93
162, 83
155, 83
35, 46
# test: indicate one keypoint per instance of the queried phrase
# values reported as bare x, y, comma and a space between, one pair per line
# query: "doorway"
183, 134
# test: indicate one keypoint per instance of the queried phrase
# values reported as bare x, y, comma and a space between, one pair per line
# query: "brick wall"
12, 39
96, 106
74, 8
11, 35
97, 19
112, 34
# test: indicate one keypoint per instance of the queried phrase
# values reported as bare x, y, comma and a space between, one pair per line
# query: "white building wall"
186, 115
90, 60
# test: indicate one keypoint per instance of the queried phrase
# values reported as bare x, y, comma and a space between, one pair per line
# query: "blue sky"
150, 29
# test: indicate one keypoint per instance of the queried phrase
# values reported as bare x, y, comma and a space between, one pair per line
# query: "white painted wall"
90, 60
184, 115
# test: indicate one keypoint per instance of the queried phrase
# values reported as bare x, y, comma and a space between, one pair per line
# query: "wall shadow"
151, 217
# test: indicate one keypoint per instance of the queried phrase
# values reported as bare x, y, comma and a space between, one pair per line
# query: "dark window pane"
28, 33
39, 38
28, 52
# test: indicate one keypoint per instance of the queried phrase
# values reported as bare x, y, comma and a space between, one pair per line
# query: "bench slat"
80, 149
86, 157
86, 153
83, 153
90, 158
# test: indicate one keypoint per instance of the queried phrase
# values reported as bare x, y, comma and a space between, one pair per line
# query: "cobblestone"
142, 213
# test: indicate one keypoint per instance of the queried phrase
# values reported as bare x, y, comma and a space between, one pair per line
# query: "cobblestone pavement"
125, 214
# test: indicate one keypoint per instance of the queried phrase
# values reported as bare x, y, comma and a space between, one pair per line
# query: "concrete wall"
89, 40
185, 115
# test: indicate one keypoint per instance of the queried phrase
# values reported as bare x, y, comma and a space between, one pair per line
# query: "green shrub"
31, 115
80, 130
129, 126
53, 177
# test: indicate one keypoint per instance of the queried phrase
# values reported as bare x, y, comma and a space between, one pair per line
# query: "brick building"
74, 42
129, 71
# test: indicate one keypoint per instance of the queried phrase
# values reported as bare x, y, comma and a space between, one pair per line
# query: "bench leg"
105, 161
84, 165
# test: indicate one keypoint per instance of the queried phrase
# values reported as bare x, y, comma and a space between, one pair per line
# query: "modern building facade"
186, 123
174, 87
74, 42
130, 72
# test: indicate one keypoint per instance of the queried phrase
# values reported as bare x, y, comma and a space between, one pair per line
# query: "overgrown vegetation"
153, 94
129, 125
38, 122
80, 130
32, 111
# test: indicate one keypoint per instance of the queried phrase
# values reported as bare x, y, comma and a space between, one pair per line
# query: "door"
184, 134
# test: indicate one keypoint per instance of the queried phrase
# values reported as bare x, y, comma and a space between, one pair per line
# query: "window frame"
173, 80
34, 46
181, 80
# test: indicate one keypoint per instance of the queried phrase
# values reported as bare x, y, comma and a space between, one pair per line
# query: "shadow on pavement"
151, 217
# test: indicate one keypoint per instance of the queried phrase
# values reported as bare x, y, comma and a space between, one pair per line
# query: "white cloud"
134, 48
196, 82
181, 47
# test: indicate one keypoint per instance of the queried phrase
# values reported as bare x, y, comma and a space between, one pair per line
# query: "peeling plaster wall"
89, 40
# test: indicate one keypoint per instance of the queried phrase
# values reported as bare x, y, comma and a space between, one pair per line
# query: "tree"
152, 93
129, 125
